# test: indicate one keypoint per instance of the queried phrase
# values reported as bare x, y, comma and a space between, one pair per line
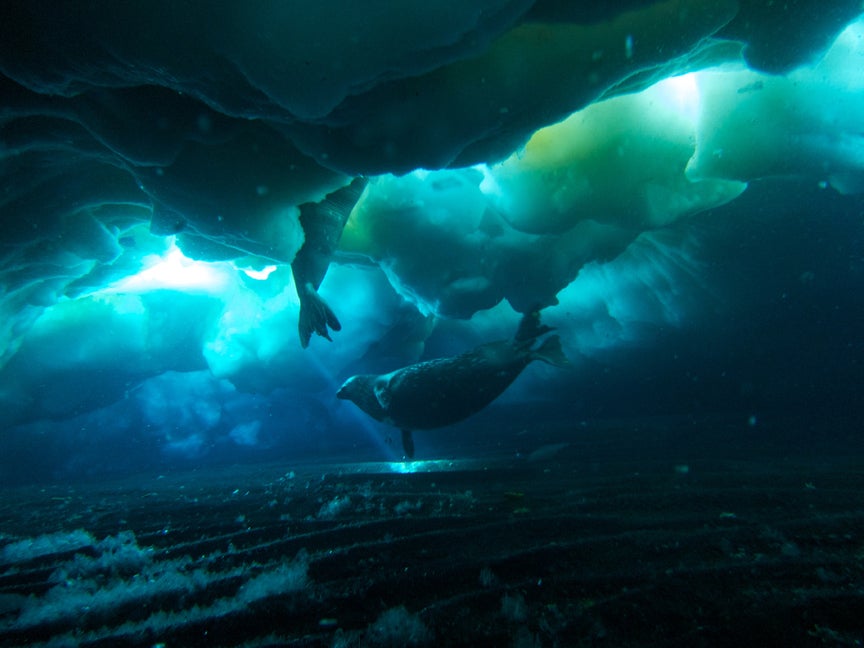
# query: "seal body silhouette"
440, 392
322, 225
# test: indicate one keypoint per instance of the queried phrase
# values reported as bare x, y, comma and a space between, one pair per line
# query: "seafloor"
681, 532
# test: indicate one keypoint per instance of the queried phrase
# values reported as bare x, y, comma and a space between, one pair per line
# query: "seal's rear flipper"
315, 316
551, 352
530, 327
408, 443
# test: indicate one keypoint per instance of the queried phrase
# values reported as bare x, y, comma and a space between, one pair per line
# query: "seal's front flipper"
408, 443
315, 316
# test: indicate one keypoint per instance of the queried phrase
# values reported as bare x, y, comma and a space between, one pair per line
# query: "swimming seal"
440, 392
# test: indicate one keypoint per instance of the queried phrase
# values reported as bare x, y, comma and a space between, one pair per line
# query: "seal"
444, 391
322, 224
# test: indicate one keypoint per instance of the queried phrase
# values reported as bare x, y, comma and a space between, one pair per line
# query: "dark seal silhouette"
440, 392
322, 224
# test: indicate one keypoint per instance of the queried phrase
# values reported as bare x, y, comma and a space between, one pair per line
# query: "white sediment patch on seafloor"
122, 573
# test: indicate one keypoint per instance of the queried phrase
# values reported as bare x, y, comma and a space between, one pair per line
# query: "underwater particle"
790, 550
752, 421
628, 46
342, 639
513, 607
287, 577
682, 469
334, 507
488, 577
829, 637
526, 639
397, 627
405, 507
751, 87
204, 123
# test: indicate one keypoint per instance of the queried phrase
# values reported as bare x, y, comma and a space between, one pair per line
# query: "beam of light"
363, 422
431, 465
404, 467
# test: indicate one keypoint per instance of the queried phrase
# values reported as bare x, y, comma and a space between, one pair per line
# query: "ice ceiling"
155, 156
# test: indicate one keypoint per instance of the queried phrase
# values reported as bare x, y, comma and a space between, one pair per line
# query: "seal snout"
348, 389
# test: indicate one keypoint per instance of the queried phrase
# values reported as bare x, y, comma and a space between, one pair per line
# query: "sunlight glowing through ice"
176, 271
682, 94
259, 275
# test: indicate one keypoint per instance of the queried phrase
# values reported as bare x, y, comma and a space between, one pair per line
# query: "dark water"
176, 471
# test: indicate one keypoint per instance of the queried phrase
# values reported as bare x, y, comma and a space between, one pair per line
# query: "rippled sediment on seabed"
560, 550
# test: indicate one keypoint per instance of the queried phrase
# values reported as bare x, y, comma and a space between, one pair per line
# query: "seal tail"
551, 352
